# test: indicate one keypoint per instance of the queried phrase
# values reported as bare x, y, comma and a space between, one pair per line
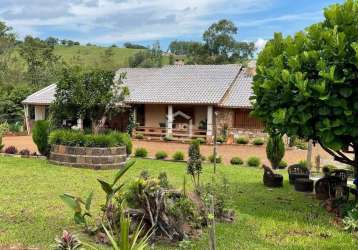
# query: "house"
177, 101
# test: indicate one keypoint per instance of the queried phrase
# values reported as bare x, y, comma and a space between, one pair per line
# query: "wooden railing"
161, 132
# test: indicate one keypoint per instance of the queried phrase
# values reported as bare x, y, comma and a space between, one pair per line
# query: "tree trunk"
355, 165
98, 125
309, 154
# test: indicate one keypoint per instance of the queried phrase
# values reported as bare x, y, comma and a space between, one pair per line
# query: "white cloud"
260, 44
109, 21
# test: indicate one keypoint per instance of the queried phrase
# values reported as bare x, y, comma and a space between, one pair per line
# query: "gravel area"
225, 151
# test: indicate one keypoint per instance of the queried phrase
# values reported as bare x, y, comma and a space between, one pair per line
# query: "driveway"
225, 151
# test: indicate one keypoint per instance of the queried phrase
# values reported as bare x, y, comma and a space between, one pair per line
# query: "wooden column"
170, 121
209, 124
27, 118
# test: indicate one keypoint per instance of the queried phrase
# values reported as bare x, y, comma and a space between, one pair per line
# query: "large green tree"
307, 85
41, 62
95, 94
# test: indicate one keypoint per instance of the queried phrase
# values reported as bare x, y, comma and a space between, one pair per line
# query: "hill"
94, 56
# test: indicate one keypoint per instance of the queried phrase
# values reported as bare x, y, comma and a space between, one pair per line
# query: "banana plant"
112, 189
81, 207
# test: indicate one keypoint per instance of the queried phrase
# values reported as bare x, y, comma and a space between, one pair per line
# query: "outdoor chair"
296, 171
303, 185
341, 174
331, 187
271, 179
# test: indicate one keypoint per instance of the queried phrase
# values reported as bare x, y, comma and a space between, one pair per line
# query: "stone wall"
85, 157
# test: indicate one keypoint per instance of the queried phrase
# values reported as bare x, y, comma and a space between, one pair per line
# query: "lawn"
31, 214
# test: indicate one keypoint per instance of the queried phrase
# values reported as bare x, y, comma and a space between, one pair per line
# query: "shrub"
123, 139
282, 165
258, 141
200, 140
253, 161
163, 180
161, 155
80, 139
303, 163
144, 174
194, 167
236, 161
25, 152
218, 158
275, 150
11, 150
168, 138
141, 152
139, 136
40, 136
15, 127
221, 139
242, 140
178, 156
203, 157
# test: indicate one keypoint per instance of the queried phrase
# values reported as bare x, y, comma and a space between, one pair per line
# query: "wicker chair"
271, 179
341, 174
297, 171
331, 187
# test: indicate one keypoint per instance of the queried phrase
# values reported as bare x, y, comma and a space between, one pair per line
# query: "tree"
93, 94
7, 44
129, 45
307, 85
219, 38
147, 58
194, 167
51, 41
275, 150
41, 61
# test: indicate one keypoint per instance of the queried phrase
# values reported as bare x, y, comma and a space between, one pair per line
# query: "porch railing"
177, 134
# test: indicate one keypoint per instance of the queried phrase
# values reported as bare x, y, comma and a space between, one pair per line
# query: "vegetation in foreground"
33, 215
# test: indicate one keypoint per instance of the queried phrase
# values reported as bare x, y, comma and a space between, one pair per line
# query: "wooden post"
27, 118
211, 217
214, 153
209, 124
170, 121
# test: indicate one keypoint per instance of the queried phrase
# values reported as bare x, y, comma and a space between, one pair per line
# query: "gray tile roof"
180, 84
42, 97
223, 85
238, 96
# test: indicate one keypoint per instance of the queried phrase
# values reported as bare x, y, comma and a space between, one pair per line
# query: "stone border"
88, 157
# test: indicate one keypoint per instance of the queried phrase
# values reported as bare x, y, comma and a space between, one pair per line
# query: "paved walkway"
226, 151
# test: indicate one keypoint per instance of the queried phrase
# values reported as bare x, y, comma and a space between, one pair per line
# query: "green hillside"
93, 56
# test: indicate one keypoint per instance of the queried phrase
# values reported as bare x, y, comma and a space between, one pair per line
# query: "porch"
173, 122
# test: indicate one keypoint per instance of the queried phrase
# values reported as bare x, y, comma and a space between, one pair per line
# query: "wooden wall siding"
243, 119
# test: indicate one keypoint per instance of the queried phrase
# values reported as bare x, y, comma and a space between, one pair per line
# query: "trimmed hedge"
236, 161
253, 161
40, 136
161, 155
242, 140
218, 158
141, 152
80, 139
258, 141
178, 156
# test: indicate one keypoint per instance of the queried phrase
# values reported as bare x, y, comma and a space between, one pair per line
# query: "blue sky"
106, 22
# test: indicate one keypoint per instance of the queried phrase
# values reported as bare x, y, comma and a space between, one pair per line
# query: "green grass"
31, 213
93, 56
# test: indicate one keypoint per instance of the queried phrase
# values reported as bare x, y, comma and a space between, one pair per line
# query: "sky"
107, 22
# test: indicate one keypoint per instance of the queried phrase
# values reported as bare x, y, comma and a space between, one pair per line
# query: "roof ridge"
230, 87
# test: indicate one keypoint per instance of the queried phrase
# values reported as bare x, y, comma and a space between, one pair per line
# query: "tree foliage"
40, 59
93, 94
307, 85
219, 46
194, 167
129, 45
275, 150
150, 58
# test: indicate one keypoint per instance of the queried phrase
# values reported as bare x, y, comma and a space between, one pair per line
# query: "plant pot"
303, 185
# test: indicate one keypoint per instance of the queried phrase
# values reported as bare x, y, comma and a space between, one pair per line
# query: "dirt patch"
225, 151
